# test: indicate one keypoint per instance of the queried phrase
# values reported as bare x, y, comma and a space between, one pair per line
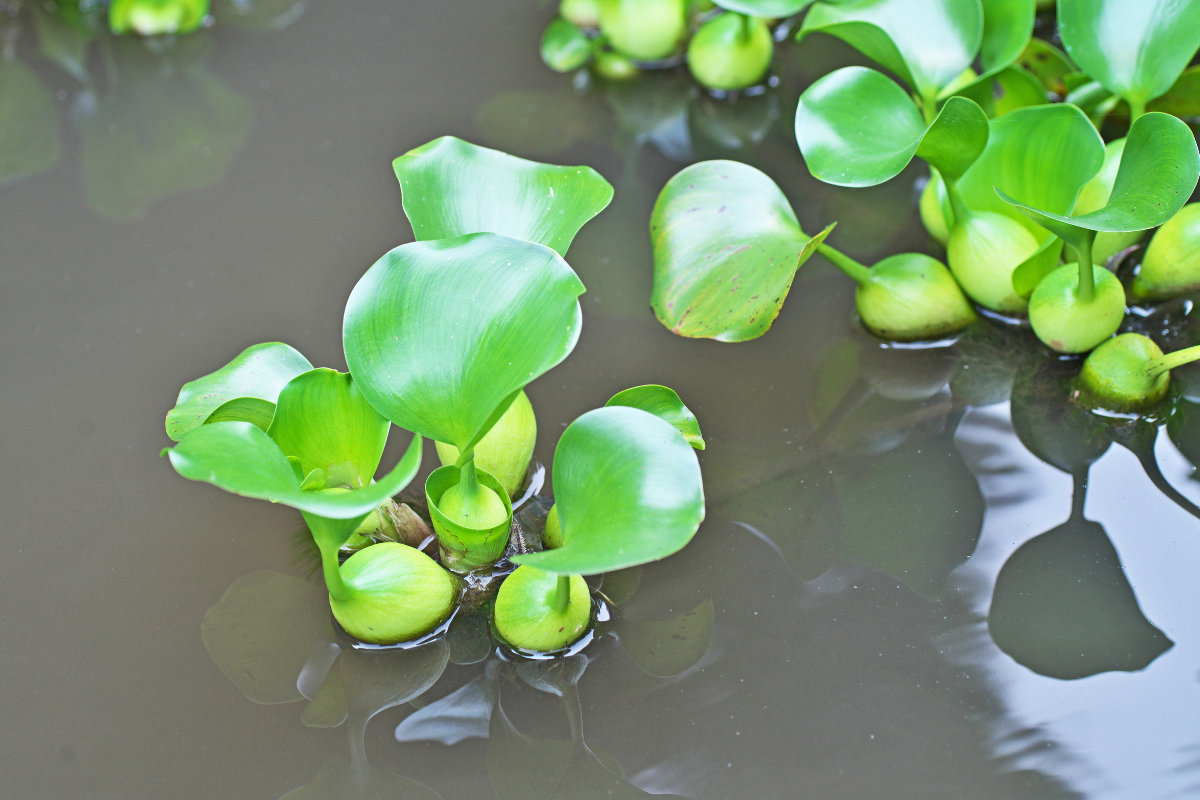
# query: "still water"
825, 635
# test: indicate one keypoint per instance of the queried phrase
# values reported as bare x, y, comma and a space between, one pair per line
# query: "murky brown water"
862, 501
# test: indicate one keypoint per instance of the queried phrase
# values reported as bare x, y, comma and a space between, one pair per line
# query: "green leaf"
1029, 273
564, 46
261, 631
628, 491
238, 457
322, 419
726, 247
857, 127
665, 404
1047, 152
1183, 98
452, 187
440, 336
927, 43
258, 372
767, 9
244, 409
1048, 64
1159, 169
1135, 49
1007, 30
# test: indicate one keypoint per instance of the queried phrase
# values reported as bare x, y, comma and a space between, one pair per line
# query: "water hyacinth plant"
441, 336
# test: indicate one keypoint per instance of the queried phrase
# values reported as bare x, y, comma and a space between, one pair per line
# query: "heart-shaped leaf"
1007, 31
1159, 169
726, 247
259, 372
857, 127
323, 420
440, 336
1135, 49
927, 43
665, 404
452, 187
261, 631
628, 491
240, 458
1047, 152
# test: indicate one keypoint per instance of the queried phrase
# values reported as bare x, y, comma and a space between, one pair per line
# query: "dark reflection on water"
879, 605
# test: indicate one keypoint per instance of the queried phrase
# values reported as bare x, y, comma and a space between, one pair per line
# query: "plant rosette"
1129, 373
731, 52
1067, 322
1171, 266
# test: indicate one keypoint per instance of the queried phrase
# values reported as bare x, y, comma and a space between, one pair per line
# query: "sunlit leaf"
323, 420
726, 247
1135, 49
928, 43
258, 372
440, 336
628, 491
665, 404
1048, 64
452, 187
767, 9
238, 457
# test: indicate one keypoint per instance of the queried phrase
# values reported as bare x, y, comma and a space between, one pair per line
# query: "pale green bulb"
395, 594
647, 30
731, 51
983, 250
1114, 375
539, 611
506, 450
1068, 324
1172, 263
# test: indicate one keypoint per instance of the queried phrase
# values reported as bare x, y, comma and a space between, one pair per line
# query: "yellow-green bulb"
731, 51
932, 215
1094, 196
396, 594
506, 450
910, 297
475, 507
156, 17
552, 536
1172, 263
1114, 375
1069, 324
647, 30
983, 250
535, 610
584, 13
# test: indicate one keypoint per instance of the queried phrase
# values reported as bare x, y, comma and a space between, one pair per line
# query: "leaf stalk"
1170, 361
860, 273
562, 594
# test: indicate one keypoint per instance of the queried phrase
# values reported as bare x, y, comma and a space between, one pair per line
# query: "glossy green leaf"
258, 372
564, 46
452, 187
32, 139
1048, 64
767, 9
628, 491
665, 404
1183, 98
440, 336
1007, 30
240, 458
927, 43
323, 420
1047, 152
857, 127
1030, 272
261, 631
1159, 169
726, 247
1135, 49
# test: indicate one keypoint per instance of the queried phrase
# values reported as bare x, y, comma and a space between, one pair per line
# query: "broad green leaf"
857, 127
726, 247
1159, 169
1007, 28
452, 187
1183, 98
1007, 90
322, 419
1048, 64
32, 140
244, 409
238, 457
261, 631
767, 9
1135, 49
564, 46
258, 372
665, 404
628, 491
927, 43
440, 336
1029, 273
1047, 152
